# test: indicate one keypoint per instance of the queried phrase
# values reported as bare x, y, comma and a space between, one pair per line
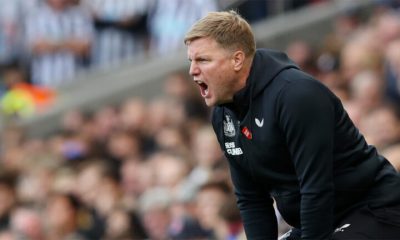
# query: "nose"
194, 70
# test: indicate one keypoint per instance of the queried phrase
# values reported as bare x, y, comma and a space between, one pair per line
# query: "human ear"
238, 58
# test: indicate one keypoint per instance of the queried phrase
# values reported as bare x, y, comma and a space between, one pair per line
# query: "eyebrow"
201, 57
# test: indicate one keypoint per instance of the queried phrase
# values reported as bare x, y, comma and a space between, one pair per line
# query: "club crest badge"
229, 127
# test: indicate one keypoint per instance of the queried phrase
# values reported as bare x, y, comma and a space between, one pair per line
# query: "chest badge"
229, 128
259, 123
247, 133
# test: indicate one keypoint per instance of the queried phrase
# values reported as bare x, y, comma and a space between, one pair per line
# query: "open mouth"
203, 88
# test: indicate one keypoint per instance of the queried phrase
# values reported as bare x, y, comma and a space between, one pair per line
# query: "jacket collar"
266, 65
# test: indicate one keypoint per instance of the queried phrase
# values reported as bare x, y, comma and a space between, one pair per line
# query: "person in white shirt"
58, 38
172, 18
120, 30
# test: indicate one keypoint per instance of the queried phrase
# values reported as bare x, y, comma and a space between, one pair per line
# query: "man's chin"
210, 102
213, 103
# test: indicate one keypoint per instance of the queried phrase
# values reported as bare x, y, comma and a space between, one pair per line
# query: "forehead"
204, 46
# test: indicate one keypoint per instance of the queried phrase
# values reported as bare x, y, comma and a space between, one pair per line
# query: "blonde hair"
227, 28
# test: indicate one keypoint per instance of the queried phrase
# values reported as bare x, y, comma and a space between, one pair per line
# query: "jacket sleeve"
306, 116
256, 208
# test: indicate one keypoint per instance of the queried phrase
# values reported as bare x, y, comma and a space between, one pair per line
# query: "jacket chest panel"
267, 148
256, 143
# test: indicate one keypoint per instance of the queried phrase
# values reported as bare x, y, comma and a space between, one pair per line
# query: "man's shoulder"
297, 80
216, 120
217, 114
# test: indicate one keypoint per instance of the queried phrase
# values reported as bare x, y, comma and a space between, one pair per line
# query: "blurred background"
103, 136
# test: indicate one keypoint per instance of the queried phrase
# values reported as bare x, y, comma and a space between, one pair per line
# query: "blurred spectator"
395, 4
173, 139
328, 60
132, 116
301, 53
206, 156
367, 90
136, 177
8, 235
121, 30
88, 189
122, 145
158, 115
170, 19
210, 199
387, 27
183, 223
35, 185
97, 128
155, 214
58, 37
392, 71
231, 215
64, 179
105, 121
10, 32
159, 156
88, 183
367, 94
392, 153
109, 195
61, 218
10, 137
73, 146
27, 222
170, 172
124, 225
381, 127
8, 199
178, 86
360, 53
73, 120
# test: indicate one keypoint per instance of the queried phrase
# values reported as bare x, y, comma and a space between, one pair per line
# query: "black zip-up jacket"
288, 138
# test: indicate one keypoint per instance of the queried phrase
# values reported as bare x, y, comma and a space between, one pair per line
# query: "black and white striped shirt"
9, 30
55, 68
112, 44
173, 18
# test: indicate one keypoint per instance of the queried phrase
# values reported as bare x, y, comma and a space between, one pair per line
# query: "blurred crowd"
44, 44
55, 39
152, 169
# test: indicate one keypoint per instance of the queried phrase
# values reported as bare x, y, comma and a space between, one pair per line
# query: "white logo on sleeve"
342, 228
259, 123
